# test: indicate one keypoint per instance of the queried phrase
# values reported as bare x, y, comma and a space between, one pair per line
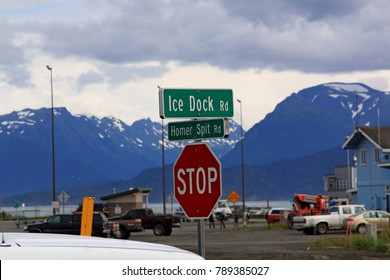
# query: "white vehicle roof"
279, 208
37, 246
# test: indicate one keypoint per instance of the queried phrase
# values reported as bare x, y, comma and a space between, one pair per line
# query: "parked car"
26, 246
114, 226
160, 224
275, 214
180, 213
320, 224
358, 222
71, 224
257, 211
97, 207
222, 207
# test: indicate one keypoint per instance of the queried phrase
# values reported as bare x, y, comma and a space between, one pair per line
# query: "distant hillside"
275, 181
88, 150
288, 151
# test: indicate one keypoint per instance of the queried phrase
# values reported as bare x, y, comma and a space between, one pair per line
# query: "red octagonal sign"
197, 180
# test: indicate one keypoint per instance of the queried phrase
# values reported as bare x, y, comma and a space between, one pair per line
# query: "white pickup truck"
320, 224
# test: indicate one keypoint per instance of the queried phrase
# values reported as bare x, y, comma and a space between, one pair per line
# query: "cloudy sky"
109, 56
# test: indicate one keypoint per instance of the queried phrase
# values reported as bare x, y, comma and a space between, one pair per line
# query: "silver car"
358, 222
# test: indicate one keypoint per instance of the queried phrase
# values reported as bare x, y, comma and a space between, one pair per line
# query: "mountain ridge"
314, 119
87, 149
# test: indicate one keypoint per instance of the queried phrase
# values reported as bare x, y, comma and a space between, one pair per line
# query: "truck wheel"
361, 228
159, 229
321, 228
168, 232
122, 234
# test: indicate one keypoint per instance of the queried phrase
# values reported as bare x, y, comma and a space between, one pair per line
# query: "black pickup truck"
160, 224
71, 224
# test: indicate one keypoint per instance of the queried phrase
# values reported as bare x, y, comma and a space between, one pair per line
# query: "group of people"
221, 218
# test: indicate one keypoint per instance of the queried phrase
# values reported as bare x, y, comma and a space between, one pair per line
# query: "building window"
376, 156
362, 157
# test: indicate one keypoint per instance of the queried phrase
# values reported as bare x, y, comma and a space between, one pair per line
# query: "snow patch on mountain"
117, 124
346, 87
25, 114
355, 98
338, 95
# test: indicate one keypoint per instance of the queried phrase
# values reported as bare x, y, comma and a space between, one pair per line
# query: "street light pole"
52, 140
163, 165
163, 161
242, 159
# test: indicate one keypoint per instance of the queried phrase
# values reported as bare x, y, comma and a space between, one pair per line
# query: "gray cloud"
303, 35
89, 78
278, 13
117, 75
12, 58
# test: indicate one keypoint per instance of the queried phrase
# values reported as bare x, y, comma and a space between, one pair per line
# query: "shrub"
361, 243
381, 246
356, 243
385, 235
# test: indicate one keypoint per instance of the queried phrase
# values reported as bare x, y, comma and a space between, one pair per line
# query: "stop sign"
197, 180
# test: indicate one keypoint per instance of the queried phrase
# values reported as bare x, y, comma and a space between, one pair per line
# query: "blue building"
372, 146
341, 183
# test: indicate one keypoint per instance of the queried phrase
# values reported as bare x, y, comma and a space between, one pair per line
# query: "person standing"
245, 216
236, 219
222, 220
211, 221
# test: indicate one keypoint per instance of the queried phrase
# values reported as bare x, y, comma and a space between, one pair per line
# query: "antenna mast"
357, 111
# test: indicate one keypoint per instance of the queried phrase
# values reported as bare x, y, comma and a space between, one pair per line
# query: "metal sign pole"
201, 231
63, 202
201, 239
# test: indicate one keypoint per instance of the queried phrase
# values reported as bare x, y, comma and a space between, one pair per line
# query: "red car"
275, 214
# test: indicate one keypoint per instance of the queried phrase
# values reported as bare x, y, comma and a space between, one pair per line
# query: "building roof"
131, 191
378, 136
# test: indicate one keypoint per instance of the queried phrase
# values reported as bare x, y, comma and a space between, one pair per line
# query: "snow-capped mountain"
359, 103
87, 149
311, 121
286, 152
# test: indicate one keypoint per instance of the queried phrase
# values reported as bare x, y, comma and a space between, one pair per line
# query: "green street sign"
16, 205
198, 129
196, 103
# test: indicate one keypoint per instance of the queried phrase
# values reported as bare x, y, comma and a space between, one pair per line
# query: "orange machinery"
305, 204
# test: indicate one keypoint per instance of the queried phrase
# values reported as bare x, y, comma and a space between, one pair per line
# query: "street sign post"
198, 129
197, 173
197, 180
63, 198
196, 103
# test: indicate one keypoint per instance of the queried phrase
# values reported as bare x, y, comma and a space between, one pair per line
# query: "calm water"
46, 210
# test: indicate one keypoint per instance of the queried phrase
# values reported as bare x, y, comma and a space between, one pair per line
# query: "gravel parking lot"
250, 243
